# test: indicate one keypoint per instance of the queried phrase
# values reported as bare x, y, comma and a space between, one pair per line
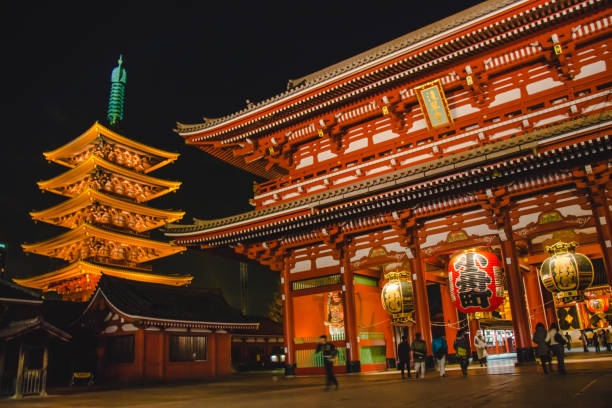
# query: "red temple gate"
488, 129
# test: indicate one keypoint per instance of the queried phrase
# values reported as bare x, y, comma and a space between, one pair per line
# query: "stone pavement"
587, 384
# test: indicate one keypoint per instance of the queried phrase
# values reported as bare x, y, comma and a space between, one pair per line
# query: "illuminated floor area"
585, 385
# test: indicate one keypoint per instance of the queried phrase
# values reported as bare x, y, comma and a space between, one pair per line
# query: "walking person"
584, 341
542, 350
439, 347
403, 353
601, 335
596, 341
569, 341
609, 338
419, 350
556, 342
329, 354
481, 347
462, 348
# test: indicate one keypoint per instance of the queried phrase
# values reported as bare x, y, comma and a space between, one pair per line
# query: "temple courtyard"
588, 383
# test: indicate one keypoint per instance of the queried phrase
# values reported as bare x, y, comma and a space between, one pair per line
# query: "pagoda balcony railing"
102, 260
123, 230
509, 120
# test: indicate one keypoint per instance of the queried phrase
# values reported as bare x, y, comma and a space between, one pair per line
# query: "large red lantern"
598, 305
597, 299
475, 279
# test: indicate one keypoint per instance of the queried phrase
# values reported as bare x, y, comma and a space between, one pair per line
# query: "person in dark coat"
556, 342
462, 350
439, 347
584, 341
403, 354
329, 354
419, 349
542, 350
569, 341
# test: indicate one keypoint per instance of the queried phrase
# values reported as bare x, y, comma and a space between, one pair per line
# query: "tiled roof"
267, 327
147, 301
404, 41
12, 292
380, 183
441, 193
21, 327
296, 85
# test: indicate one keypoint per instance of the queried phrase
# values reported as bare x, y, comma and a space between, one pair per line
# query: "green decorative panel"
365, 280
372, 335
309, 358
373, 355
316, 339
316, 282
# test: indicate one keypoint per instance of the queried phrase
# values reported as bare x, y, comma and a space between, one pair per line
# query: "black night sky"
185, 60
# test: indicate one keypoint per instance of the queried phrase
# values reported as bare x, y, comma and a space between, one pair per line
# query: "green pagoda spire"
117, 93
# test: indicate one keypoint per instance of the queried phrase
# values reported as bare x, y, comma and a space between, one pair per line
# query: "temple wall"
152, 359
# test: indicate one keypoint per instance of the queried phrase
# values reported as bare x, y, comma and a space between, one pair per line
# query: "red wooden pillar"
516, 294
473, 327
603, 224
549, 306
353, 364
141, 344
423, 323
389, 331
161, 356
288, 329
212, 352
450, 317
534, 298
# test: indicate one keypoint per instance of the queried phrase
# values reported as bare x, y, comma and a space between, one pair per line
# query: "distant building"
259, 349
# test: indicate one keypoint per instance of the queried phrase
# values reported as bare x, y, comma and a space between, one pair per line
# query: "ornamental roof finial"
117, 93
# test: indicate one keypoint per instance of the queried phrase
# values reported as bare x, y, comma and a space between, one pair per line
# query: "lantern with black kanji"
476, 281
397, 295
566, 273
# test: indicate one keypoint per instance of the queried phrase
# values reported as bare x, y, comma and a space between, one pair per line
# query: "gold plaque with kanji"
433, 104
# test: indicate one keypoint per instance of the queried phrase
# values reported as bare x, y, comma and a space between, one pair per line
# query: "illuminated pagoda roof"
74, 181
85, 275
147, 304
69, 213
107, 183
93, 141
68, 245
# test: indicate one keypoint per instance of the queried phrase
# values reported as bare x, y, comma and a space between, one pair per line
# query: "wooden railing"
33, 382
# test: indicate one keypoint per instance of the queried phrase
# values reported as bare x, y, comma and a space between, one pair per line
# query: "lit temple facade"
107, 186
488, 129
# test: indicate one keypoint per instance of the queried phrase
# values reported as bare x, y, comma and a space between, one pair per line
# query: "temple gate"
489, 129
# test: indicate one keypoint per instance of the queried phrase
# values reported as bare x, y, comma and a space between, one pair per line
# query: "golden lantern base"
569, 296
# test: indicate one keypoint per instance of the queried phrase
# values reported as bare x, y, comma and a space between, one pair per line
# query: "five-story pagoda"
107, 186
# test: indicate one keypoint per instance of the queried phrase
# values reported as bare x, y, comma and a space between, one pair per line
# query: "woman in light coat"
481, 348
